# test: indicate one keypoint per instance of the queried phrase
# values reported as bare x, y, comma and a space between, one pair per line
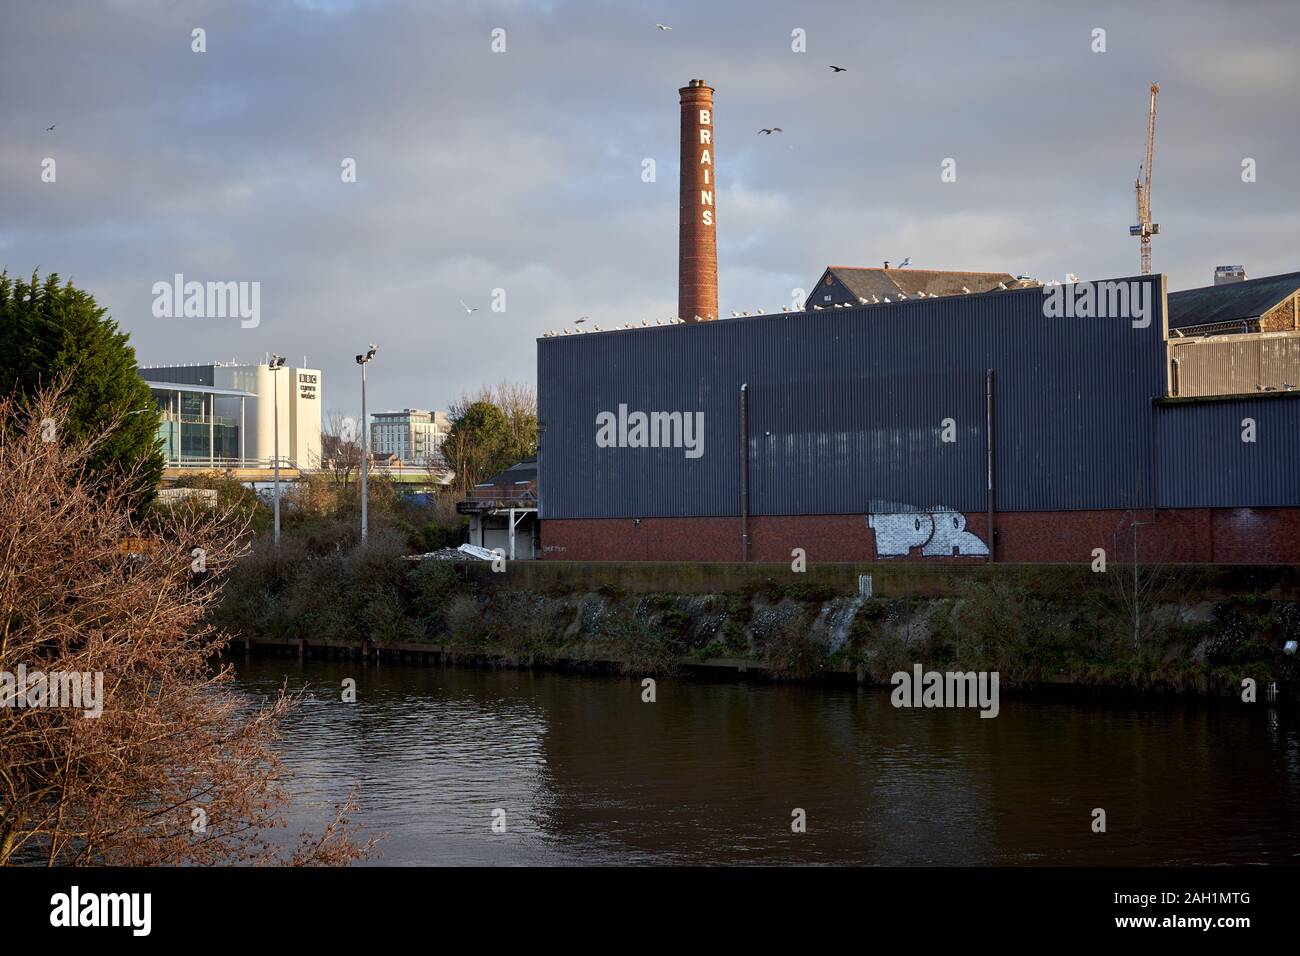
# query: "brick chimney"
697, 244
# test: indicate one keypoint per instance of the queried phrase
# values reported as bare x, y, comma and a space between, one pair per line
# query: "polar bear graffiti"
941, 532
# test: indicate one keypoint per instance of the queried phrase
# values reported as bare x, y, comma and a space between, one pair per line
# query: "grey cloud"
522, 171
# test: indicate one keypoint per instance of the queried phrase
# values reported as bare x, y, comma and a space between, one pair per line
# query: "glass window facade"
198, 428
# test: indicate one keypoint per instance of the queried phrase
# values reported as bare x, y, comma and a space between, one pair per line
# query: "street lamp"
277, 363
365, 436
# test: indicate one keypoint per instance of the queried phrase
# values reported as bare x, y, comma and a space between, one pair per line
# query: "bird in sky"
663, 26
581, 320
467, 309
839, 69
770, 130
907, 261
50, 127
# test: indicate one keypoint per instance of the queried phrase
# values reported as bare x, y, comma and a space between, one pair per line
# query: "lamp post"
365, 437
277, 363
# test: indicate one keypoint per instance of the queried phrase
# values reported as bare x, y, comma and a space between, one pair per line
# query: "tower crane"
1145, 228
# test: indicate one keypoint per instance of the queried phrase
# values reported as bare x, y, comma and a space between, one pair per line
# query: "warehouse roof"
864, 283
1231, 302
518, 473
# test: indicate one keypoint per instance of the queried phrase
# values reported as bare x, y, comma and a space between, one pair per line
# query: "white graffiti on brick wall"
939, 532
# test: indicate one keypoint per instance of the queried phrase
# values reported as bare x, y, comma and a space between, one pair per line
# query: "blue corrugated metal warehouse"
872, 432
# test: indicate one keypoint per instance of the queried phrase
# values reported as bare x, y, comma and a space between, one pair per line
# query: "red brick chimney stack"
697, 266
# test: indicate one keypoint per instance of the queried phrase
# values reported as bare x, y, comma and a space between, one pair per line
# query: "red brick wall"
1200, 535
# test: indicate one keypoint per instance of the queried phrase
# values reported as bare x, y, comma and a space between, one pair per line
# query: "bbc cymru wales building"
224, 415
973, 427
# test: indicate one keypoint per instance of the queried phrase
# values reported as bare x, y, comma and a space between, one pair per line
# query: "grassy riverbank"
1198, 630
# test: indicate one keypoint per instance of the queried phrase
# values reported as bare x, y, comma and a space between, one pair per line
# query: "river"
712, 773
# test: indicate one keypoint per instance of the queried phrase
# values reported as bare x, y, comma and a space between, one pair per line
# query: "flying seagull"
839, 69
468, 310
907, 261
769, 131
50, 127
663, 26
581, 320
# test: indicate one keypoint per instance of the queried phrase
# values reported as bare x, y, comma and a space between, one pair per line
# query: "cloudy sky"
521, 170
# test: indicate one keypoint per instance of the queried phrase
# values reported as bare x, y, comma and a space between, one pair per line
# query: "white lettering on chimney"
706, 195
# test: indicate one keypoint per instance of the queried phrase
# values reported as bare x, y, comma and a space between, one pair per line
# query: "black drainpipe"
988, 428
744, 472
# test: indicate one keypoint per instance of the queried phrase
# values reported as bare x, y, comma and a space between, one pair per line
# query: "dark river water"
711, 773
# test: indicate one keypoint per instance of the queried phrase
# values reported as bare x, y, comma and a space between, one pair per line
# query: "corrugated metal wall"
1236, 364
1202, 461
847, 409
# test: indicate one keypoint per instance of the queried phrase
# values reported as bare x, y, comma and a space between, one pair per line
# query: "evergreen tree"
478, 444
56, 333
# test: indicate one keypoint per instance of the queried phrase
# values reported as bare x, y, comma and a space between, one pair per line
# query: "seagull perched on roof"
1071, 278
966, 290
1002, 285
768, 131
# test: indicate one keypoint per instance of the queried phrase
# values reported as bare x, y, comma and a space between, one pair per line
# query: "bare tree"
1139, 588
159, 761
340, 443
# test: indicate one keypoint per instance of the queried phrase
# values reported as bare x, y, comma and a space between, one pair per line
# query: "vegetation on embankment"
1033, 625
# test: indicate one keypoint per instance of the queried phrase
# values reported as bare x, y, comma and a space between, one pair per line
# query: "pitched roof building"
846, 285
1270, 304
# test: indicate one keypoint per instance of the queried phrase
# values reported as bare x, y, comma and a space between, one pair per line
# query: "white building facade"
225, 415
414, 436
